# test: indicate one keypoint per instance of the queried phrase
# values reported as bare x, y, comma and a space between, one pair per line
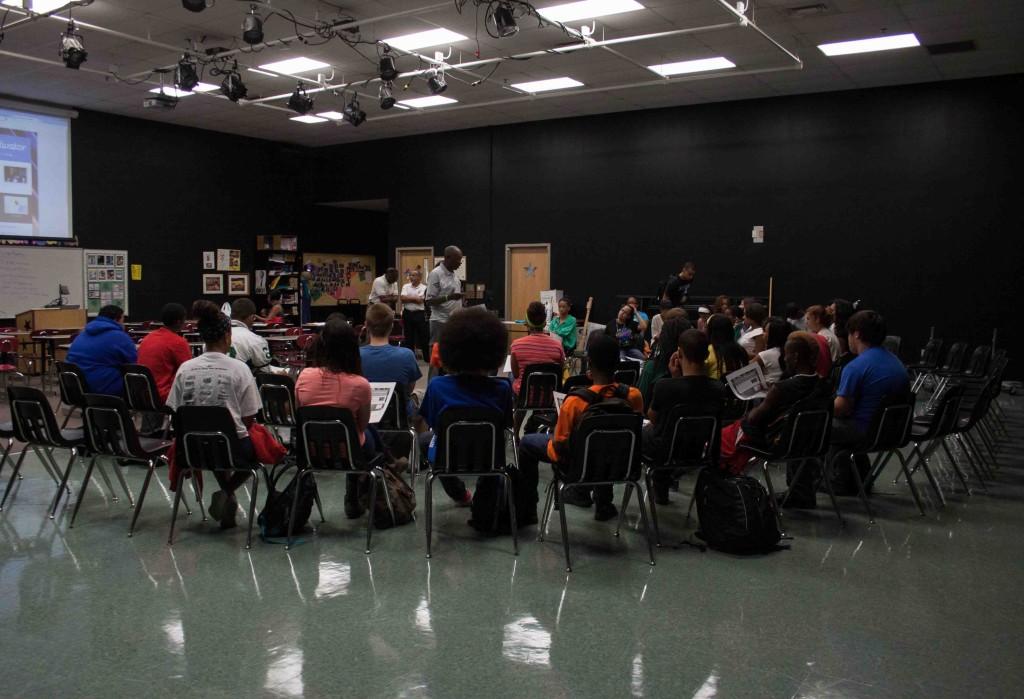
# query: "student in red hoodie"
162, 352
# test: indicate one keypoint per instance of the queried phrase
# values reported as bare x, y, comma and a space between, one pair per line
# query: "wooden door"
408, 259
527, 273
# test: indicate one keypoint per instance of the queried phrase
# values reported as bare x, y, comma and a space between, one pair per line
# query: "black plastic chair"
575, 382
929, 363
6, 432
142, 395
537, 389
35, 424
471, 442
604, 450
628, 372
893, 343
395, 423
206, 440
327, 441
110, 432
931, 431
277, 392
73, 387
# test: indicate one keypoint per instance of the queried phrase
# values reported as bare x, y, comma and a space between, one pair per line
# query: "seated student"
725, 354
162, 352
603, 352
336, 380
563, 326
626, 331
771, 358
101, 349
247, 346
659, 320
642, 319
536, 348
658, 368
840, 311
795, 316
472, 346
383, 361
761, 425
721, 304
703, 313
216, 379
735, 314
752, 340
689, 390
275, 311
817, 320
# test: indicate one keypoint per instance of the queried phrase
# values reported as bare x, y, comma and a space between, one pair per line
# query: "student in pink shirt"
336, 380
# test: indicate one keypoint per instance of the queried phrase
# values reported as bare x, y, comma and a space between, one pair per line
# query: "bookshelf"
278, 265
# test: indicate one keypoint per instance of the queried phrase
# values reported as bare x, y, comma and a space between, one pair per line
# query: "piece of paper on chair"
380, 398
507, 369
559, 399
748, 383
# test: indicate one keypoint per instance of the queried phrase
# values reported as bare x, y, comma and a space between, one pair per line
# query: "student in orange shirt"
603, 351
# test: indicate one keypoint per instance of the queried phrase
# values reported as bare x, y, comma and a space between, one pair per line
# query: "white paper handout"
559, 399
507, 369
748, 383
381, 393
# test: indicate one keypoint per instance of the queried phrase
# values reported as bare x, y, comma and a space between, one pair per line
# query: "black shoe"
227, 518
605, 511
661, 497
795, 502
217, 502
577, 496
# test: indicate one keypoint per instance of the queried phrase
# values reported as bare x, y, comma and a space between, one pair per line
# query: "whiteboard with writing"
30, 277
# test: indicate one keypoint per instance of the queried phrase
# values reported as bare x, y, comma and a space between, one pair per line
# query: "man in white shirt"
385, 288
444, 293
247, 346
414, 314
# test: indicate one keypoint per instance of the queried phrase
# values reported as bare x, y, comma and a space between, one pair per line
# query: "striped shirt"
534, 349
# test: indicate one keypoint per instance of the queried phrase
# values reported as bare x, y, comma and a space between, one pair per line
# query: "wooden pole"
771, 293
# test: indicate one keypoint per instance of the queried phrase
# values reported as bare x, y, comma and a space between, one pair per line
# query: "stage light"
252, 27
387, 98
233, 88
436, 82
185, 75
72, 47
504, 20
352, 113
197, 5
388, 69
300, 102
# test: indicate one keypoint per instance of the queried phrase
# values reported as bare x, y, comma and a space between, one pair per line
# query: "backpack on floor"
489, 510
400, 496
607, 402
735, 513
273, 518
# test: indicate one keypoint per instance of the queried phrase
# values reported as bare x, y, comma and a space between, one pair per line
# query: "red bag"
733, 456
267, 449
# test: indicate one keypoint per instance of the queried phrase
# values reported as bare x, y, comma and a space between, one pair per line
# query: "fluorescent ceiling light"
881, 43
588, 9
336, 116
309, 119
294, 66
419, 40
432, 101
261, 72
46, 5
172, 91
545, 85
698, 66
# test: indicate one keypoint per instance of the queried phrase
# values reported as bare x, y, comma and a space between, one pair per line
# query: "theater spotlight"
504, 20
300, 102
388, 69
436, 82
186, 76
387, 99
352, 113
72, 47
233, 88
197, 5
252, 27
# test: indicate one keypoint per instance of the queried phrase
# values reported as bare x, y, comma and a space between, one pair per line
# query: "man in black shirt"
688, 393
678, 287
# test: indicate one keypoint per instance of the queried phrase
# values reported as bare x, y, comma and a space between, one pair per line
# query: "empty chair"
893, 343
73, 387
34, 424
931, 431
921, 370
604, 450
9, 361
471, 442
142, 395
537, 390
277, 393
327, 441
628, 372
6, 432
110, 432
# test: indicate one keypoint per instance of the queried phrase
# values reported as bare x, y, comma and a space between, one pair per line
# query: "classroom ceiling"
132, 37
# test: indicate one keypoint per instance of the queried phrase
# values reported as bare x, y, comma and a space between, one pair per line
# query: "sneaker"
577, 496
605, 511
227, 518
217, 502
466, 501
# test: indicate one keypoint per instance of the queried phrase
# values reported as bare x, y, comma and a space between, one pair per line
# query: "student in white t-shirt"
385, 288
753, 340
216, 379
771, 358
414, 314
247, 346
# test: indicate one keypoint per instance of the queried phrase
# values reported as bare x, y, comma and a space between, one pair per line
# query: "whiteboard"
29, 277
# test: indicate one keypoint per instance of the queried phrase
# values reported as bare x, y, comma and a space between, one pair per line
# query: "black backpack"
273, 518
735, 513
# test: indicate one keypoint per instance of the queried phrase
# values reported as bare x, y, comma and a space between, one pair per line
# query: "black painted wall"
904, 197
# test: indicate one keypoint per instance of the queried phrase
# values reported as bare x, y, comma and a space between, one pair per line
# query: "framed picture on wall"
209, 259
213, 283
238, 284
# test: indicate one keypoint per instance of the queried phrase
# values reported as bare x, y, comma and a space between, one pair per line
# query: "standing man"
678, 287
444, 293
385, 289
414, 314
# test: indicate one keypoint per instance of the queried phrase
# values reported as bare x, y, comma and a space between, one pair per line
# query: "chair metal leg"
653, 506
826, 472
45, 457
124, 484
954, 465
370, 510
546, 512
647, 526
923, 463
430, 508
295, 506
510, 499
81, 491
973, 450
689, 509
63, 483
252, 507
14, 477
3, 459
910, 481
198, 493
177, 501
970, 460
772, 501
622, 509
565, 527
319, 505
151, 466
106, 482
860, 491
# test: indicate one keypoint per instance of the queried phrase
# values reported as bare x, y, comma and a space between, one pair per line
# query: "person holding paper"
384, 362
385, 288
444, 293
563, 326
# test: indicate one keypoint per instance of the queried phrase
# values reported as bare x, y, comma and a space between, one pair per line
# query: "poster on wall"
460, 273
338, 277
106, 280
209, 259
229, 260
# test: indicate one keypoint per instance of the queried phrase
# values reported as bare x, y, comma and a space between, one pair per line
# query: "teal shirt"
566, 330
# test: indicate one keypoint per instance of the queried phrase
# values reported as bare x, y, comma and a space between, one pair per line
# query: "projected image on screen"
35, 175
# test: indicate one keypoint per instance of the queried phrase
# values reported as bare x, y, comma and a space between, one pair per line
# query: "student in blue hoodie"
101, 349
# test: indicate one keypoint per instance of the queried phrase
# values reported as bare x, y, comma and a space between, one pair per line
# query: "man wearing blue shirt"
101, 349
382, 361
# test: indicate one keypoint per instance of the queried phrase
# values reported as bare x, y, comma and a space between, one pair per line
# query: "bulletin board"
337, 277
106, 280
